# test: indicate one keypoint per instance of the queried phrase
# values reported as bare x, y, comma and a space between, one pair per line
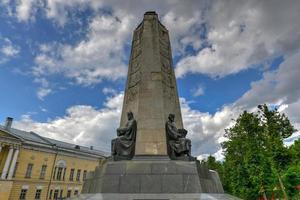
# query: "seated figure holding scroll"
179, 147
123, 146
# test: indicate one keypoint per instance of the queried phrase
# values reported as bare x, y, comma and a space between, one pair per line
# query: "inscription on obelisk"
151, 91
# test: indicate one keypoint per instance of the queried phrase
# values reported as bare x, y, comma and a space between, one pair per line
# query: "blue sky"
63, 64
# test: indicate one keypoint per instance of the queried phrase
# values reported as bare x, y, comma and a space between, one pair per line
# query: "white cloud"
279, 87
8, 50
44, 89
244, 34
82, 124
199, 91
218, 155
109, 90
43, 92
276, 87
25, 9
99, 56
206, 130
90, 126
240, 34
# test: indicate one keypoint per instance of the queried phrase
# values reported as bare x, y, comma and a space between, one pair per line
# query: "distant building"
36, 167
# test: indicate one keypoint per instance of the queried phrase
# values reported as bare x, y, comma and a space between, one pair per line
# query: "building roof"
34, 138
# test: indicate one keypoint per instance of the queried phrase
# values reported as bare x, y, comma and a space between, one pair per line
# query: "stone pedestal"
152, 175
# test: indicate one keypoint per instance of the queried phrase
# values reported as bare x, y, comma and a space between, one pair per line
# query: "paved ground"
200, 196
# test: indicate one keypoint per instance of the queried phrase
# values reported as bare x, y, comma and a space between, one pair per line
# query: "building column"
13, 164
7, 162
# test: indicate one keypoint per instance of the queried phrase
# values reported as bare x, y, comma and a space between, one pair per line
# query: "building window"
50, 194
84, 175
29, 170
38, 194
59, 173
23, 194
75, 192
69, 193
64, 174
72, 174
55, 196
61, 194
15, 170
43, 172
78, 175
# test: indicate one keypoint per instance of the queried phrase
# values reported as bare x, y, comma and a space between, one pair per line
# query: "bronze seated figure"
178, 146
123, 146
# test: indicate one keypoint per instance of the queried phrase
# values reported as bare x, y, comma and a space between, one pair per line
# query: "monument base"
152, 174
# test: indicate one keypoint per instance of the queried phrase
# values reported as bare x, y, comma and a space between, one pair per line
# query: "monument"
151, 155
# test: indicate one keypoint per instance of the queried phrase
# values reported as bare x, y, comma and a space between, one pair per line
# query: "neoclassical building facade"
36, 167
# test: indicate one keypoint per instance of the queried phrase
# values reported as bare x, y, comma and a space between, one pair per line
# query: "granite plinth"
152, 176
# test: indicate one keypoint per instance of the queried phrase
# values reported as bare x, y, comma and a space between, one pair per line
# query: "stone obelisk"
150, 95
151, 91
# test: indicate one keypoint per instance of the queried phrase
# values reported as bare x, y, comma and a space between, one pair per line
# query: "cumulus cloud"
81, 124
109, 90
237, 34
44, 88
97, 57
199, 91
8, 50
206, 130
244, 34
42, 92
100, 54
90, 126
279, 86
26, 9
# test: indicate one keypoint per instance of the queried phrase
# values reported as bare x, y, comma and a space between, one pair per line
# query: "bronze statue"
178, 146
123, 146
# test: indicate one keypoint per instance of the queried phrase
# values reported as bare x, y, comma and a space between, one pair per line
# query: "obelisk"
150, 96
151, 91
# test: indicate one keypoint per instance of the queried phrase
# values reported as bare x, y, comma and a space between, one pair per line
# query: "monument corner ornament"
151, 153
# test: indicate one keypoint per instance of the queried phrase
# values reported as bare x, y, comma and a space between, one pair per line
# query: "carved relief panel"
167, 71
134, 75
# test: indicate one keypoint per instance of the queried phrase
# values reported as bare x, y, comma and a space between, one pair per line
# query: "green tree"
245, 165
254, 153
213, 164
291, 176
295, 152
277, 127
291, 179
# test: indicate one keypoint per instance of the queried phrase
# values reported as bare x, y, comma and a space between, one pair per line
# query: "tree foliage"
256, 159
